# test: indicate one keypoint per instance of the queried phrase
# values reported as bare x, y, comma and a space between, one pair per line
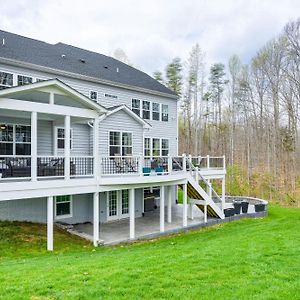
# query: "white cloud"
153, 32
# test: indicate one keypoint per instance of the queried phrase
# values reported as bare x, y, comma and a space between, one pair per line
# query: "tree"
157, 75
174, 76
120, 55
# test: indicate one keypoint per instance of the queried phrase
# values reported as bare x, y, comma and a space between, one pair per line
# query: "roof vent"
117, 70
105, 67
82, 60
3, 42
63, 56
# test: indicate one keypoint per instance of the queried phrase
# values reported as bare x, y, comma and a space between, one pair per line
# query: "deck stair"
201, 197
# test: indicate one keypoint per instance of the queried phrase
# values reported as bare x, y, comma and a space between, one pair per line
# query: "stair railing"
194, 171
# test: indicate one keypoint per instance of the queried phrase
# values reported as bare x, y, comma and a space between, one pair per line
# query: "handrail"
193, 168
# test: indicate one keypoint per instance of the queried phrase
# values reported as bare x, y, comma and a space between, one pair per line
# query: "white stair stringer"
205, 196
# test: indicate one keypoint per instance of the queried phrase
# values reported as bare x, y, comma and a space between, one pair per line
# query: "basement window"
63, 206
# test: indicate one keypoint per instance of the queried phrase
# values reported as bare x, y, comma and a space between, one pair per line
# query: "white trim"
56, 72
58, 84
71, 208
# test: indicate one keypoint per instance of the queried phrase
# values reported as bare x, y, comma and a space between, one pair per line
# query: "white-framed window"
6, 80
22, 80
155, 111
60, 138
147, 147
15, 139
63, 207
146, 110
125, 202
136, 106
120, 143
110, 96
165, 113
112, 204
93, 95
156, 147
164, 147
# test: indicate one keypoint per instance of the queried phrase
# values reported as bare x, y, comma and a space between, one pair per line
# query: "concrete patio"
148, 226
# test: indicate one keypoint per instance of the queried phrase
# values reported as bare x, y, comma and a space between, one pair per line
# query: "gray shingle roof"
95, 65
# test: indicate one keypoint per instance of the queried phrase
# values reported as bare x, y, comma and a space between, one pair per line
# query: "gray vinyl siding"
35, 209
120, 121
159, 129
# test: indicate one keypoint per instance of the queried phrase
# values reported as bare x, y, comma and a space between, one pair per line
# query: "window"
155, 111
39, 80
136, 106
147, 147
165, 113
93, 95
111, 96
155, 147
15, 139
6, 80
112, 203
125, 202
63, 206
60, 134
120, 143
22, 80
146, 110
164, 147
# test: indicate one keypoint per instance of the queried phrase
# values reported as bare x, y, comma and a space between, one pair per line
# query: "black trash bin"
237, 207
245, 205
259, 207
229, 212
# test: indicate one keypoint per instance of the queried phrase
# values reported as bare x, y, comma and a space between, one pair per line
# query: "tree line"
248, 112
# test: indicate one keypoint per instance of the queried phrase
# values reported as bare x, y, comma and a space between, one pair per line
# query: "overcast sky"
152, 32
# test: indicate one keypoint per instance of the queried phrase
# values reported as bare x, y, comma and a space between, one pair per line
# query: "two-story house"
85, 138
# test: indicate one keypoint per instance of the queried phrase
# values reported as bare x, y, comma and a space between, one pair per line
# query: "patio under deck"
115, 232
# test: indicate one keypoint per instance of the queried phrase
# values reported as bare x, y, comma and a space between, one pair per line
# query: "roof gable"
56, 87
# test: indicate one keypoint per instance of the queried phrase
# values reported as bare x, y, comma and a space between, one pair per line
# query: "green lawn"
246, 259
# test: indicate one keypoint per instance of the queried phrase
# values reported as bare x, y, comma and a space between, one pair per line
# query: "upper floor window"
165, 113
155, 111
93, 95
147, 147
120, 143
111, 96
15, 139
136, 106
6, 80
22, 80
60, 134
146, 110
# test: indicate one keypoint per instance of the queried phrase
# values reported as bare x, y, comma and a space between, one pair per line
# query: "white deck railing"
50, 167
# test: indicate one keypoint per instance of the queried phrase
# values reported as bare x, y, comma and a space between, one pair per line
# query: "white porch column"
50, 223
96, 219
191, 214
223, 193
205, 213
170, 204
185, 205
131, 214
33, 146
162, 209
67, 146
96, 148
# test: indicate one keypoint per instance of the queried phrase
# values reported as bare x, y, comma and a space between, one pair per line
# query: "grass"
246, 259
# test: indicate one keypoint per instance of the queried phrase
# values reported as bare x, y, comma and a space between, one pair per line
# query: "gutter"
18, 63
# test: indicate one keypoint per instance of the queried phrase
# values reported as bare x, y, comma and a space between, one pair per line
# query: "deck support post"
33, 146
205, 213
50, 223
185, 205
96, 165
191, 214
96, 219
223, 193
131, 214
67, 146
162, 209
170, 204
